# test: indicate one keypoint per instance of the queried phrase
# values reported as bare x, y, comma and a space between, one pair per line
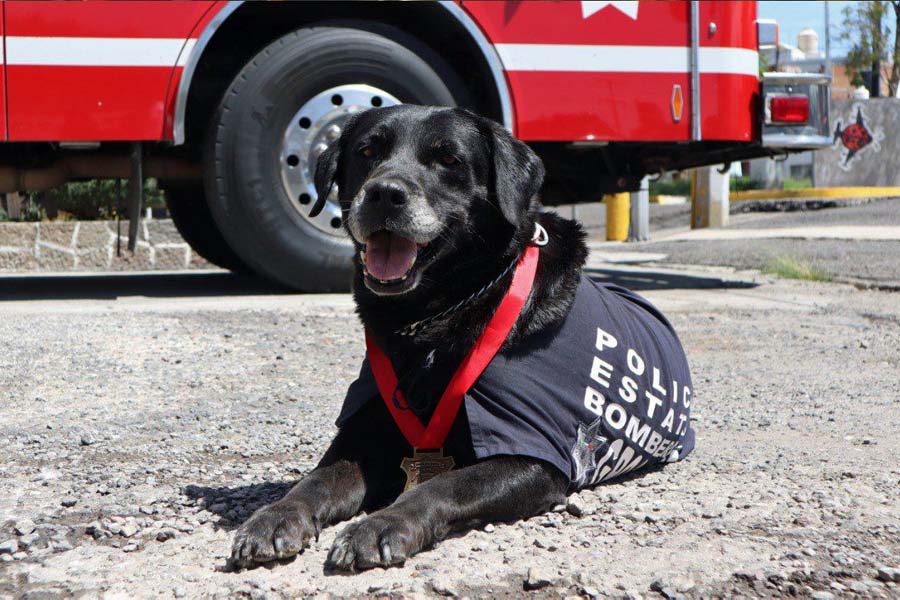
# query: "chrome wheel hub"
317, 124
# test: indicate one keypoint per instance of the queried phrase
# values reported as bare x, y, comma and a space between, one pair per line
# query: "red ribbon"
469, 370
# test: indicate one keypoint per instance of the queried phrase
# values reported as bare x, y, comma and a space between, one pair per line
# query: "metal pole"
136, 195
119, 206
827, 39
617, 213
696, 133
639, 224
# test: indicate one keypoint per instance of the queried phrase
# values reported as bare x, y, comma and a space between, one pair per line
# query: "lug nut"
333, 132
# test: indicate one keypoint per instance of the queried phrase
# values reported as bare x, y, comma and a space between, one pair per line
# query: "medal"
424, 465
428, 458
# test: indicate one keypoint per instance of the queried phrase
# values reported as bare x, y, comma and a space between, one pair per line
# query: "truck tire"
280, 112
190, 213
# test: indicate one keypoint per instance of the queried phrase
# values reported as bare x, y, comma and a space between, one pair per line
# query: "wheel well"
255, 24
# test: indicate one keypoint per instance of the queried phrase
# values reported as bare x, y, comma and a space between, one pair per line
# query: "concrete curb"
834, 232
833, 192
796, 204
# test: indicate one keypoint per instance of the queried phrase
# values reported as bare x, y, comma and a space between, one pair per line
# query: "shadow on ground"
111, 286
195, 285
653, 280
234, 505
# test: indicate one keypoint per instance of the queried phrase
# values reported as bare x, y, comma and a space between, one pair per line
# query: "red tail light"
789, 109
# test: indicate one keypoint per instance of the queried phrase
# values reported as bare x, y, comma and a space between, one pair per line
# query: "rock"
489, 528
683, 583
165, 534
24, 526
576, 506
543, 545
69, 502
179, 592
95, 530
62, 546
48, 474
665, 589
536, 579
887, 574
129, 529
130, 548
443, 586
9, 547
87, 439
822, 595
27, 541
859, 587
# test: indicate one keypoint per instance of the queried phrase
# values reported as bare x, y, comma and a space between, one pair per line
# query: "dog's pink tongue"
389, 256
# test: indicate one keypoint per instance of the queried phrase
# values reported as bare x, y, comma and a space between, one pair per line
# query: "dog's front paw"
380, 540
274, 532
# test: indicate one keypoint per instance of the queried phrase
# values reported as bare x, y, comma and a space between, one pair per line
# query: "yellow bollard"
617, 216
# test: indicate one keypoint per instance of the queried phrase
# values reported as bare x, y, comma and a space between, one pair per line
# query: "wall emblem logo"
856, 138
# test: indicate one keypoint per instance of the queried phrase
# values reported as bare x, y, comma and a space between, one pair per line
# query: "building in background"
807, 57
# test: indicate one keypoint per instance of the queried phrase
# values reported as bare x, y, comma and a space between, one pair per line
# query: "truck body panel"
95, 71
577, 71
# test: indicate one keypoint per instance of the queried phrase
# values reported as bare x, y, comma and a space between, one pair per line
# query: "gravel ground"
866, 262
136, 433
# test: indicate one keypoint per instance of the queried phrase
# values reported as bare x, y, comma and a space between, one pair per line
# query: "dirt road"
135, 432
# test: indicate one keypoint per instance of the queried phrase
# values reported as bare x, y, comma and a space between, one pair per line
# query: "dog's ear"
328, 167
326, 173
518, 173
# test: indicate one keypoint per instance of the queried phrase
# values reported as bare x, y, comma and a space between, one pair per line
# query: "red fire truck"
229, 104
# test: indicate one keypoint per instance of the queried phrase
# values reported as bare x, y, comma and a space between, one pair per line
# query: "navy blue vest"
607, 392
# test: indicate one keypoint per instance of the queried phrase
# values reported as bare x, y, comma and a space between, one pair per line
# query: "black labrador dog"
589, 382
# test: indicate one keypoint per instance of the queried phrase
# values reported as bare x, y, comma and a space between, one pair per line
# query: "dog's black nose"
387, 192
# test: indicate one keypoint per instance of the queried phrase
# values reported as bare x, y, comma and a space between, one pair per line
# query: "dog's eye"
449, 160
367, 151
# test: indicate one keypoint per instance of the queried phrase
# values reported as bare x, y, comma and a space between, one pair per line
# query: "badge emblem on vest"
584, 452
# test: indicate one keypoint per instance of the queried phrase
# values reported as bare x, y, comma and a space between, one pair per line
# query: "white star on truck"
627, 7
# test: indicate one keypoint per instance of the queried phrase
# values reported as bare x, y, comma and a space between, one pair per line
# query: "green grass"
97, 198
682, 186
741, 183
790, 268
673, 187
797, 184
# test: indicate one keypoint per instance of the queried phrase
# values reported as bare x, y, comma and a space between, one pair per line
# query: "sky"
794, 15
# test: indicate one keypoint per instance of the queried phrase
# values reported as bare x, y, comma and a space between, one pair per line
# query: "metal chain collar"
540, 238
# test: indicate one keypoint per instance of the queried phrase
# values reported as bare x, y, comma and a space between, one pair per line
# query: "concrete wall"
91, 246
866, 150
